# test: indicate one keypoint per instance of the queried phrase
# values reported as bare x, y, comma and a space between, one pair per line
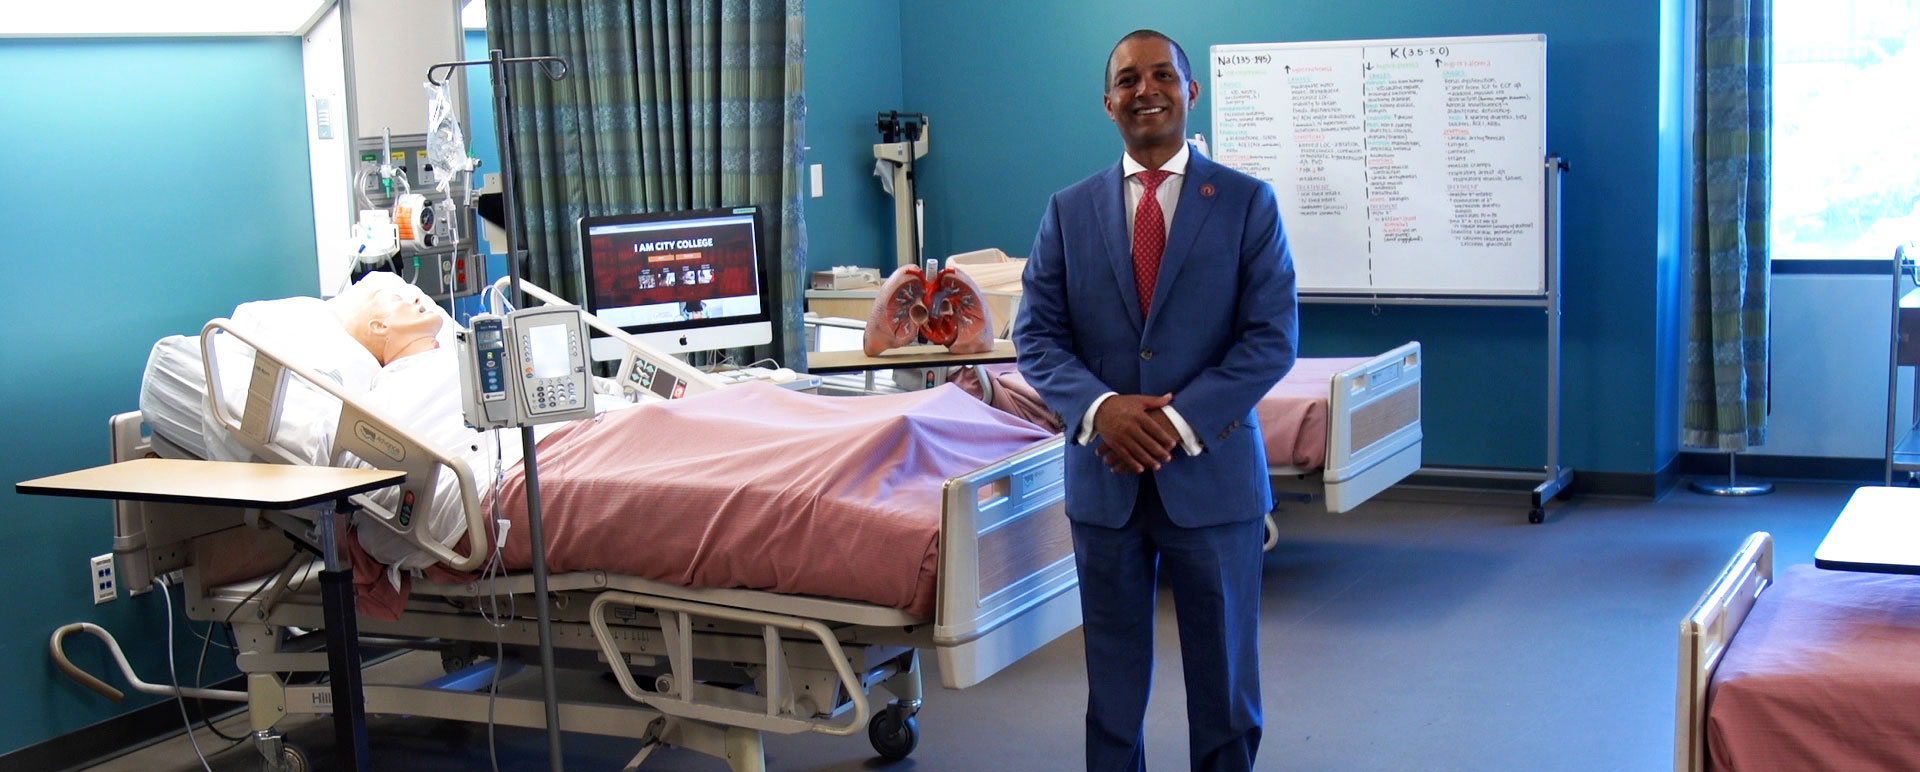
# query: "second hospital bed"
1806, 668
1340, 428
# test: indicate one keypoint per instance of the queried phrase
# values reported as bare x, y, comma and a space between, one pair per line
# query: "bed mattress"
1293, 414
1823, 675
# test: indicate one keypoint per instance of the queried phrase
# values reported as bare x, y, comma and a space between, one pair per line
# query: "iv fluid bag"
446, 145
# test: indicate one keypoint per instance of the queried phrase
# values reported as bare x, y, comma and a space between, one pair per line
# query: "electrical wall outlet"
100, 575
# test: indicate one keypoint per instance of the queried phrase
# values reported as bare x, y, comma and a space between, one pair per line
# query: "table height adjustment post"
343, 645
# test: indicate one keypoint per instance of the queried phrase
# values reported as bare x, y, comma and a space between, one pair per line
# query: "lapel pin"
1206, 190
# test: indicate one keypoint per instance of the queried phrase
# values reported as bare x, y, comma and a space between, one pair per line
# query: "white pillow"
305, 328
304, 332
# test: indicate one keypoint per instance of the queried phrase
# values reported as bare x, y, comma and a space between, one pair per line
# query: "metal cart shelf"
1903, 442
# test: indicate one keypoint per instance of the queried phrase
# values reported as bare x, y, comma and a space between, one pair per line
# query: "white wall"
394, 42
329, 158
1830, 355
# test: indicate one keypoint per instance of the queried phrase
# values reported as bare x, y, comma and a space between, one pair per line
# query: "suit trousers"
1214, 574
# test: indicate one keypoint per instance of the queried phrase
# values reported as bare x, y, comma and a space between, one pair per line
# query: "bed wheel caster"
1536, 515
893, 732
457, 659
291, 758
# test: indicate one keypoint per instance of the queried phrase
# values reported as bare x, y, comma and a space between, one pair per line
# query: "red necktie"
1149, 237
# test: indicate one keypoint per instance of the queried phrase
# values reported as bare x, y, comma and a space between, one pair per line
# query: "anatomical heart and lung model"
947, 308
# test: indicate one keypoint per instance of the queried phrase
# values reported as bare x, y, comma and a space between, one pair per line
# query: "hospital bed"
1342, 429
705, 668
1807, 669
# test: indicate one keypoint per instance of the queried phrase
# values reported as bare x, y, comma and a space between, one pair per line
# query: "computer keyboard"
742, 374
781, 377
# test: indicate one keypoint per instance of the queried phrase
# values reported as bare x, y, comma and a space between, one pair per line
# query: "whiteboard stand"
1559, 479
1554, 480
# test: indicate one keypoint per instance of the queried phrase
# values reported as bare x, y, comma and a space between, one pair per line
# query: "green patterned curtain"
1727, 344
667, 105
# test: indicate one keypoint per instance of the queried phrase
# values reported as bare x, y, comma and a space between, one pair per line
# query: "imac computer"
679, 281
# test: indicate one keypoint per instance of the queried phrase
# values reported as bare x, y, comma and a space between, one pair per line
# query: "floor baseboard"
122, 734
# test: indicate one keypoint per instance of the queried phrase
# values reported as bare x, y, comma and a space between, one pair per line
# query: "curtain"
667, 105
1727, 337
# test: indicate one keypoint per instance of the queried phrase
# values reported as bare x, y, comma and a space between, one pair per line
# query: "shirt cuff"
1187, 441
1086, 422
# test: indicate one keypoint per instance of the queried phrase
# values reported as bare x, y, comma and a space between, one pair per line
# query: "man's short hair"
1179, 55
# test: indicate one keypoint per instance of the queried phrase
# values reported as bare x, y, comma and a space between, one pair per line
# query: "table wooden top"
905, 356
217, 483
1878, 531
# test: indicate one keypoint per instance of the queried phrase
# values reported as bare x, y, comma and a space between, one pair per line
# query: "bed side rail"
641, 365
361, 429
1373, 412
1704, 634
1006, 564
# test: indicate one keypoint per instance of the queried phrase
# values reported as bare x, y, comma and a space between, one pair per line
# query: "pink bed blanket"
1824, 674
1293, 414
760, 487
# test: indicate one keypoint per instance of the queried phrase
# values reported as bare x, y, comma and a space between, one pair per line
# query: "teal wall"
853, 70
151, 184
1011, 87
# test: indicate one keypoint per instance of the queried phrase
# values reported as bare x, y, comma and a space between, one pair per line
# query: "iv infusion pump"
526, 367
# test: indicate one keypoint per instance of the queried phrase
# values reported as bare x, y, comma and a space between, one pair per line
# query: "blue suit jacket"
1222, 330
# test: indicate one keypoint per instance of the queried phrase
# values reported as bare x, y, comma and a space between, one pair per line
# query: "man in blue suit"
1159, 309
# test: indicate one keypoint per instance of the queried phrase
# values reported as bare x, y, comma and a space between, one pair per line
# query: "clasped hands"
1134, 432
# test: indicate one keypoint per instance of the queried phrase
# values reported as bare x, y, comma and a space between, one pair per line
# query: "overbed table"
261, 486
1878, 531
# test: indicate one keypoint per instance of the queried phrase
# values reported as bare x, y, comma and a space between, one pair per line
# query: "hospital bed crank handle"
57, 647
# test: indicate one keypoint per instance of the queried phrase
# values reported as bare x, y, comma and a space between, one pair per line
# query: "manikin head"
390, 322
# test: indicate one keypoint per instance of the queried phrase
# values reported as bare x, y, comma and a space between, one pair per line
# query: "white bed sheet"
173, 393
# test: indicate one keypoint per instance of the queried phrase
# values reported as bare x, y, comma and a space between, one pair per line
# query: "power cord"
167, 595
490, 571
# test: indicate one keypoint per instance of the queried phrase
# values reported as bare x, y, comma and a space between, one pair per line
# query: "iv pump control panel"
524, 368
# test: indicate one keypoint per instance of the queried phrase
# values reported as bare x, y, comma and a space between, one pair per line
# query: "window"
1846, 128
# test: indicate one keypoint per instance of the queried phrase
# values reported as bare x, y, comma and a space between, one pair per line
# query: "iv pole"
555, 69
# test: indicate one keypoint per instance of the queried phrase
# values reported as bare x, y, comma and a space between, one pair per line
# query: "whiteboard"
1412, 166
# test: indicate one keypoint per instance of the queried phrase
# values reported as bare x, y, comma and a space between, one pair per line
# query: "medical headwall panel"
1402, 167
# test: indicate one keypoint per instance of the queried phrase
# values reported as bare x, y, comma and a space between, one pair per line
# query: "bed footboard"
1007, 584
1704, 635
1373, 427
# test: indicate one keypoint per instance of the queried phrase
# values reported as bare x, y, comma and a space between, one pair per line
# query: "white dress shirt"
1168, 194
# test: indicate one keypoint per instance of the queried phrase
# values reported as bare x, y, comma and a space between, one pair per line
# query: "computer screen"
680, 281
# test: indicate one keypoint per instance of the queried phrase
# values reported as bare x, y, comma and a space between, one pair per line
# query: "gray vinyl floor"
1425, 632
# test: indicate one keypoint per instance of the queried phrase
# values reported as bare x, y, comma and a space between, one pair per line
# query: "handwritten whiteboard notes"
1402, 167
